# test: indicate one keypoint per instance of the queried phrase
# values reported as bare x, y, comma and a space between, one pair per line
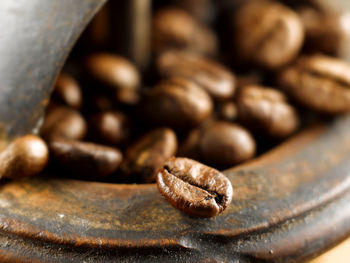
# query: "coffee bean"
265, 110
189, 147
178, 103
194, 188
175, 29
25, 156
67, 91
110, 127
323, 30
218, 81
85, 160
224, 144
267, 33
63, 122
320, 83
114, 71
227, 111
147, 154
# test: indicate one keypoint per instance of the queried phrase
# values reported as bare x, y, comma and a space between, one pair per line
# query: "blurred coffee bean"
323, 30
224, 144
177, 102
25, 156
268, 34
176, 29
266, 111
320, 83
127, 97
218, 81
67, 91
200, 9
194, 188
249, 79
227, 111
189, 147
63, 122
147, 154
85, 160
99, 103
110, 127
114, 71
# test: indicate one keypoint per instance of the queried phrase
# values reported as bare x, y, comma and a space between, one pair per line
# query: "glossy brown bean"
267, 33
67, 91
194, 188
178, 103
224, 144
266, 111
147, 154
174, 28
111, 127
113, 70
85, 160
320, 83
63, 122
25, 156
217, 80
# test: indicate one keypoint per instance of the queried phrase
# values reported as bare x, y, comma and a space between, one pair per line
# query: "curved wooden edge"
279, 199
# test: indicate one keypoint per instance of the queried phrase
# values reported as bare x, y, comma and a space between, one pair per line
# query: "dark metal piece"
132, 30
36, 38
290, 204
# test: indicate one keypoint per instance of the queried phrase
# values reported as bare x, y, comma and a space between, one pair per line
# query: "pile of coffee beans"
222, 87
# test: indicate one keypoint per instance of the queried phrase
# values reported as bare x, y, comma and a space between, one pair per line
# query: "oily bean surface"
175, 29
265, 110
85, 160
25, 156
224, 144
112, 127
114, 71
268, 34
67, 91
147, 154
218, 81
194, 188
320, 83
178, 103
63, 122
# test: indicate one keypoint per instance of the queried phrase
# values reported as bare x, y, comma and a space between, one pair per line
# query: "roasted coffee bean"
85, 160
26, 156
218, 81
127, 97
323, 30
177, 102
176, 29
200, 9
114, 71
265, 110
267, 33
319, 82
146, 155
110, 127
194, 188
67, 91
224, 144
63, 122
189, 147
227, 111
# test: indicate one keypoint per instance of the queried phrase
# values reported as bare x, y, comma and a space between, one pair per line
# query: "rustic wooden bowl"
290, 204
